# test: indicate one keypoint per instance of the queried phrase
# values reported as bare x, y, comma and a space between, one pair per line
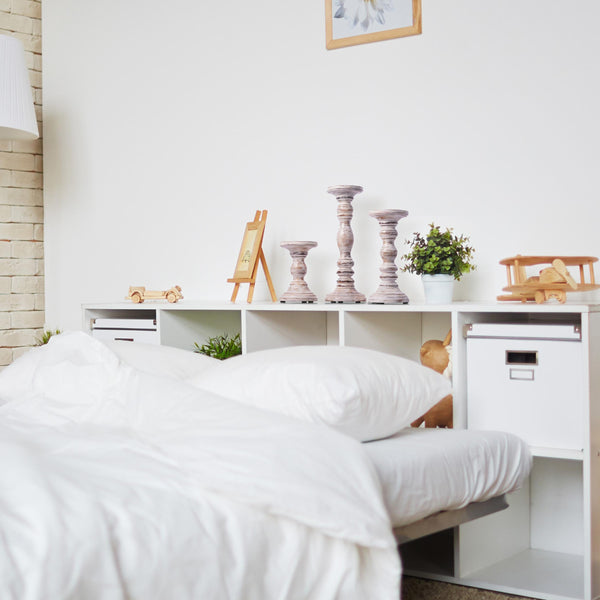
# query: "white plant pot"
438, 288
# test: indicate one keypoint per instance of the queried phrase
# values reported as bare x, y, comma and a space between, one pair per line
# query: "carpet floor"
422, 589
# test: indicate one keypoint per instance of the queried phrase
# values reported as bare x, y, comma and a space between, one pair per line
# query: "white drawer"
129, 330
528, 386
127, 335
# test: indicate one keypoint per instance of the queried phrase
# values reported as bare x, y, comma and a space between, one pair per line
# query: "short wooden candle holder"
298, 292
345, 290
388, 291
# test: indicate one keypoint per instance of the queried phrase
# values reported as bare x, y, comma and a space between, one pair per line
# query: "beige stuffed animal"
436, 355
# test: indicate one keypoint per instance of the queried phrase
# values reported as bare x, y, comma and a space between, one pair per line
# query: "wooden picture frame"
250, 255
352, 22
250, 249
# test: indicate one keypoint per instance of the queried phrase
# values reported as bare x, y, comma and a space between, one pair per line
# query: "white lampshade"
17, 115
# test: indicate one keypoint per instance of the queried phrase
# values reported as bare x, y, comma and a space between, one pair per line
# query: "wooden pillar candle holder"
345, 290
298, 292
388, 291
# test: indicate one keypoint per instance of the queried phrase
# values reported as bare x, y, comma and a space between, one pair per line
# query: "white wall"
167, 124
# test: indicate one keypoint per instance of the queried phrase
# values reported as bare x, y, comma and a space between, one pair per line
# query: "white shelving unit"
547, 544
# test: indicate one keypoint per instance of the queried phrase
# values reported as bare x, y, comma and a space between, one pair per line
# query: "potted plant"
220, 346
46, 335
440, 258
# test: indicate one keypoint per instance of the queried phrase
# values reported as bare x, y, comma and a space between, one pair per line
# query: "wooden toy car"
139, 293
552, 281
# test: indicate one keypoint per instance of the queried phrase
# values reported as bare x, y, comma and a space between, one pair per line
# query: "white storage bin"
128, 330
527, 379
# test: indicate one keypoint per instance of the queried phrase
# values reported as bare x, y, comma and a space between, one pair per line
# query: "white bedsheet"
423, 471
116, 484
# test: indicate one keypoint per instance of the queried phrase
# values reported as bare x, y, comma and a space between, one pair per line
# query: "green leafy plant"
439, 252
221, 346
46, 335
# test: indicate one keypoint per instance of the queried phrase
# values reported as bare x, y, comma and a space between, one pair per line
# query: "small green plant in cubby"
221, 346
46, 335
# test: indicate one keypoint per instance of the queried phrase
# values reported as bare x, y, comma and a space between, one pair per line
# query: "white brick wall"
21, 202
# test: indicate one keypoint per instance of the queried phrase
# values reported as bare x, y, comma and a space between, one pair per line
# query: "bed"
435, 479
124, 475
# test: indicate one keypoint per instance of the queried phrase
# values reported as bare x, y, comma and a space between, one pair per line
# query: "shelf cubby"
279, 328
183, 328
394, 332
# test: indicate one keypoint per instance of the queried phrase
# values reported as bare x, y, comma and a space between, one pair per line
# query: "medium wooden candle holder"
298, 292
345, 290
388, 291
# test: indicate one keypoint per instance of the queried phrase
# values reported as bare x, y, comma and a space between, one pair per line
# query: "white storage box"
128, 330
527, 379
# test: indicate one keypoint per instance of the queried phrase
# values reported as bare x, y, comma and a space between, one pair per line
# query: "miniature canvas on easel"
251, 253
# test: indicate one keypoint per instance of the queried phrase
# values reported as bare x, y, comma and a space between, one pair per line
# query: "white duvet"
115, 484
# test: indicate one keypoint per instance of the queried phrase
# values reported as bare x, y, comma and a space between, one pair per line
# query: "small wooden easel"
250, 254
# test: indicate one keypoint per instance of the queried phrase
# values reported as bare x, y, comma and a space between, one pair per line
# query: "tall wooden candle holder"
388, 291
298, 292
345, 291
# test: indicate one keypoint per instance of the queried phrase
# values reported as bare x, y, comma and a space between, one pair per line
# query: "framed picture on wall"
351, 22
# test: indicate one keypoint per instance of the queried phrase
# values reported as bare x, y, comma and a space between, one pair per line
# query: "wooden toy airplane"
553, 281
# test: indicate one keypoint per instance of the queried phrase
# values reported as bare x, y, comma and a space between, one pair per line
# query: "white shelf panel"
164, 305
465, 307
538, 573
556, 453
531, 573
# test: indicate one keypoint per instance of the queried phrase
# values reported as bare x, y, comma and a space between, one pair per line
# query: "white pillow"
24, 377
363, 393
16, 379
164, 361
